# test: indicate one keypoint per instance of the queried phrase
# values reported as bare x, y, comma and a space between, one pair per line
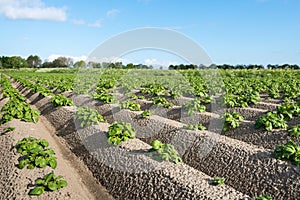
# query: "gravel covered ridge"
244, 165
248, 168
164, 181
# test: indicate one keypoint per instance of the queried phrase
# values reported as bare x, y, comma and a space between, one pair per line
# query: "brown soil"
16, 183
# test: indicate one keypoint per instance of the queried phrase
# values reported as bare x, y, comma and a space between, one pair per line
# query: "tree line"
34, 61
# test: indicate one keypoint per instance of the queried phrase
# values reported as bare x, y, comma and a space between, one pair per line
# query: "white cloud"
78, 21
31, 9
155, 62
112, 12
96, 24
111, 59
75, 58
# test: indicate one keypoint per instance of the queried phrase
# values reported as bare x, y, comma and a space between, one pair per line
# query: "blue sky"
231, 31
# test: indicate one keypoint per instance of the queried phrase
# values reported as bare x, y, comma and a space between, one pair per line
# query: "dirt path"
15, 183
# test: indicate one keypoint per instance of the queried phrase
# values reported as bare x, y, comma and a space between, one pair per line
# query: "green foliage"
88, 116
175, 93
134, 96
120, 131
289, 110
49, 182
194, 106
8, 129
290, 151
160, 151
294, 131
19, 110
242, 98
60, 100
154, 89
271, 120
218, 181
105, 98
232, 120
161, 101
130, 105
16, 107
195, 127
35, 153
207, 99
146, 113
107, 84
263, 197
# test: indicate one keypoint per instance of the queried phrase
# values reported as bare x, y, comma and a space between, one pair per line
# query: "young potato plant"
49, 182
271, 120
105, 98
194, 106
161, 101
146, 113
120, 131
161, 151
60, 100
218, 181
130, 105
9, 129
35, 153
154, 89
194, 127
263, 197
232, 120
134, 96
87, 116
294, 131
289, 151
289, 110
18, 110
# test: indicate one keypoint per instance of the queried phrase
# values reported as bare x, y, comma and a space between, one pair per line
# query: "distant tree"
34, 61
13, 62
129, 66
118, 65
61, 62
47, 64
94, 64
80, 64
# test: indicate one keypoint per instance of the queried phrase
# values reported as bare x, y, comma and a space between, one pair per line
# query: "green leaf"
52, 186
52, 162
39, 181
38, 190
30, 166
40, 162
62, 183
23, 163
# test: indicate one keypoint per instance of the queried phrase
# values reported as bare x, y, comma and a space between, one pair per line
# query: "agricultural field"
153, 134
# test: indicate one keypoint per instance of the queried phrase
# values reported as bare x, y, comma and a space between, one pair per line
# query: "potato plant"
146, 113
194, 106
294, 131
289, 151
271, 120
35, 153
87, 116
161, 151
130, 105
194, 127
218, 181
231, 120
120, 131
60, 100
49, 182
